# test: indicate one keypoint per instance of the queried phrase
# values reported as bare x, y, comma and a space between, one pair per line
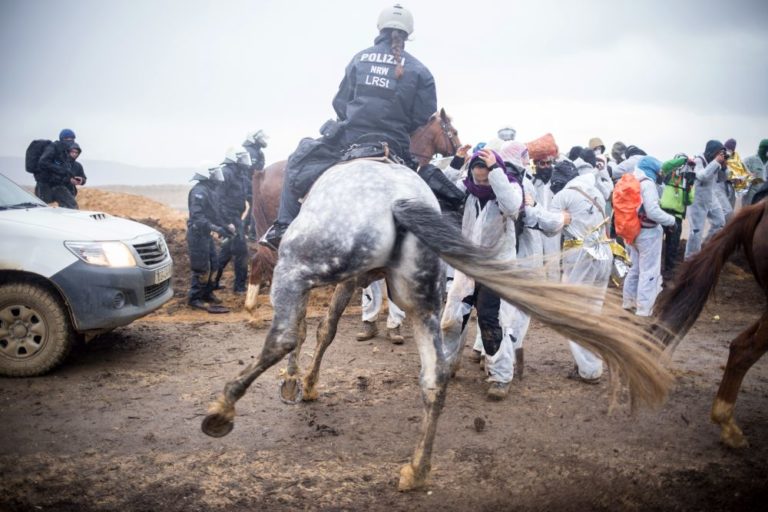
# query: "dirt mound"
131, 206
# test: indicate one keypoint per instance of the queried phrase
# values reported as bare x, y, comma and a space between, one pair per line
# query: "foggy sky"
174, 83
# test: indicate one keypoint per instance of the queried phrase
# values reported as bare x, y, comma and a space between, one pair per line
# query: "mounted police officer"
386, 94
204, 219
232, 197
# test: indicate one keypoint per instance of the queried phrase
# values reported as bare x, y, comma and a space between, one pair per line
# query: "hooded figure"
705, 204
632, 155
596, 144
578, 211
643, 282
492, 206
586, 163
757, 166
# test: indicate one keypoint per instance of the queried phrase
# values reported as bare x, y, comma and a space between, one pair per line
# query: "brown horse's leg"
747, 348
435, 372
326, 331
290, 310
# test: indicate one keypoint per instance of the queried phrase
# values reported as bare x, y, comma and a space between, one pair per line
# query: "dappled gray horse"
368, 219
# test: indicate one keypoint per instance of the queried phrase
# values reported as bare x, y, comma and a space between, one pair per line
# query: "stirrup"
273, 236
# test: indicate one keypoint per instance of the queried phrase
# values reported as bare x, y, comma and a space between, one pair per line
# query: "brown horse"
437, 136
679, 307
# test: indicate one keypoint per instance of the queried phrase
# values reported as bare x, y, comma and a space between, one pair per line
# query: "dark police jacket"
372, 100
203, 214
232, 193
55, 164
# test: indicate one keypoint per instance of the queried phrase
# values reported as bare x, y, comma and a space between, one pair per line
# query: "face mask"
544, 174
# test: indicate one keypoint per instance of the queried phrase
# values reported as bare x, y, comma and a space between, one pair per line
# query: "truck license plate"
162, 274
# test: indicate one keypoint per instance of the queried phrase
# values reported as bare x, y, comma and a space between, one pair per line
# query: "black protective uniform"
232, 196
203, 219
370, 100
55, 171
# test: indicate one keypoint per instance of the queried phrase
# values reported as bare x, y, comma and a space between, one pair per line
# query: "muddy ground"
117, 428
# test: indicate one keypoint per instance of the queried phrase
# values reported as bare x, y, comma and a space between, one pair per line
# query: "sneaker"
273, 236
394, 336
498, 390
370, 329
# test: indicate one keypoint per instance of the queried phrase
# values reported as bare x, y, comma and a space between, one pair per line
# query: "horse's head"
437, 136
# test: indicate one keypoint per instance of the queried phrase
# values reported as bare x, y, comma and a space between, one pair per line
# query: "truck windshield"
13, 196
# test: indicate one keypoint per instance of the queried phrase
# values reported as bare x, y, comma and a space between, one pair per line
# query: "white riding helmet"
258, 138
239, 155
396, 17
507, 133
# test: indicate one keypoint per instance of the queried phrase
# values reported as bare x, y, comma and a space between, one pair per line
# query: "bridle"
448, 135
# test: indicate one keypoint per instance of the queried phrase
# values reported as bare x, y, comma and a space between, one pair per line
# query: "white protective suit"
705, 206
625, 166
591, 262
643, 282
487, 225
551, 245
603, 181
372, 301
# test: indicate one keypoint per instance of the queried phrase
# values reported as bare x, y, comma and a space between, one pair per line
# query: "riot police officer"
254, 143
204, 219
231, 200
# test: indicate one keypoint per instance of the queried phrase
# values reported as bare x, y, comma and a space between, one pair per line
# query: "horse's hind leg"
435, 372
290, 300
747, 348
326, 331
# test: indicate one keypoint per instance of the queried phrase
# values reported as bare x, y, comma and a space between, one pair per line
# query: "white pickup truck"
66, 274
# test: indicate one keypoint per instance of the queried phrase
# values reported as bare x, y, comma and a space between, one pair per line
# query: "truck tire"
35, 332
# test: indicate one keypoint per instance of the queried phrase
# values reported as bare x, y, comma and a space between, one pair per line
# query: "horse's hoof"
309, 393
408, 479
291, 391
217, 425
733, 437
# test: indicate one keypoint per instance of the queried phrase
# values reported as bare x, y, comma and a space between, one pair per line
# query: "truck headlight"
103, 254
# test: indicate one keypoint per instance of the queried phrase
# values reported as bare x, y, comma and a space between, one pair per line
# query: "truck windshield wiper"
24, 205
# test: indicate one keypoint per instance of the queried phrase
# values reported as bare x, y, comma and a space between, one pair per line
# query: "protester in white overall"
551, 245
578, 211
493, 203
643, 282
587, 164
372, 302
705, 204
632, 155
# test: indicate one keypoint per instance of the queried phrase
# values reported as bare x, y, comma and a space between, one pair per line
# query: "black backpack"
34, 152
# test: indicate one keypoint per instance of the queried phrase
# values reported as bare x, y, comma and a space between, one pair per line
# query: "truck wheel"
35, 332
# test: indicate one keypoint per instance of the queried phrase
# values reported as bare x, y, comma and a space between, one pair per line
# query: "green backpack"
674, 198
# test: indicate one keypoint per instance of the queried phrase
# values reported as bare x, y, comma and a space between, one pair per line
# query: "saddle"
372, 150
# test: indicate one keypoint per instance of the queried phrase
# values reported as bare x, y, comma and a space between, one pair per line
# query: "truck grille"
156, 290
152, 253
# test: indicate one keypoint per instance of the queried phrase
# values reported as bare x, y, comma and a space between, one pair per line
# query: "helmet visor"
215, 174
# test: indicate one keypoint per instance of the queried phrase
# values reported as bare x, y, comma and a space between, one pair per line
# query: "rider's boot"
273, 236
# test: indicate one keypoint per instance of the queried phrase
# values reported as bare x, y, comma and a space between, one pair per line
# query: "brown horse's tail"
565, 307
679, 306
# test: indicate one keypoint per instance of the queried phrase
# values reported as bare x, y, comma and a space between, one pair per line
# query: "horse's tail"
621, 343
679, 305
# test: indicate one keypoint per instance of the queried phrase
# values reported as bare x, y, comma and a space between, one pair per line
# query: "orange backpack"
626, 203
